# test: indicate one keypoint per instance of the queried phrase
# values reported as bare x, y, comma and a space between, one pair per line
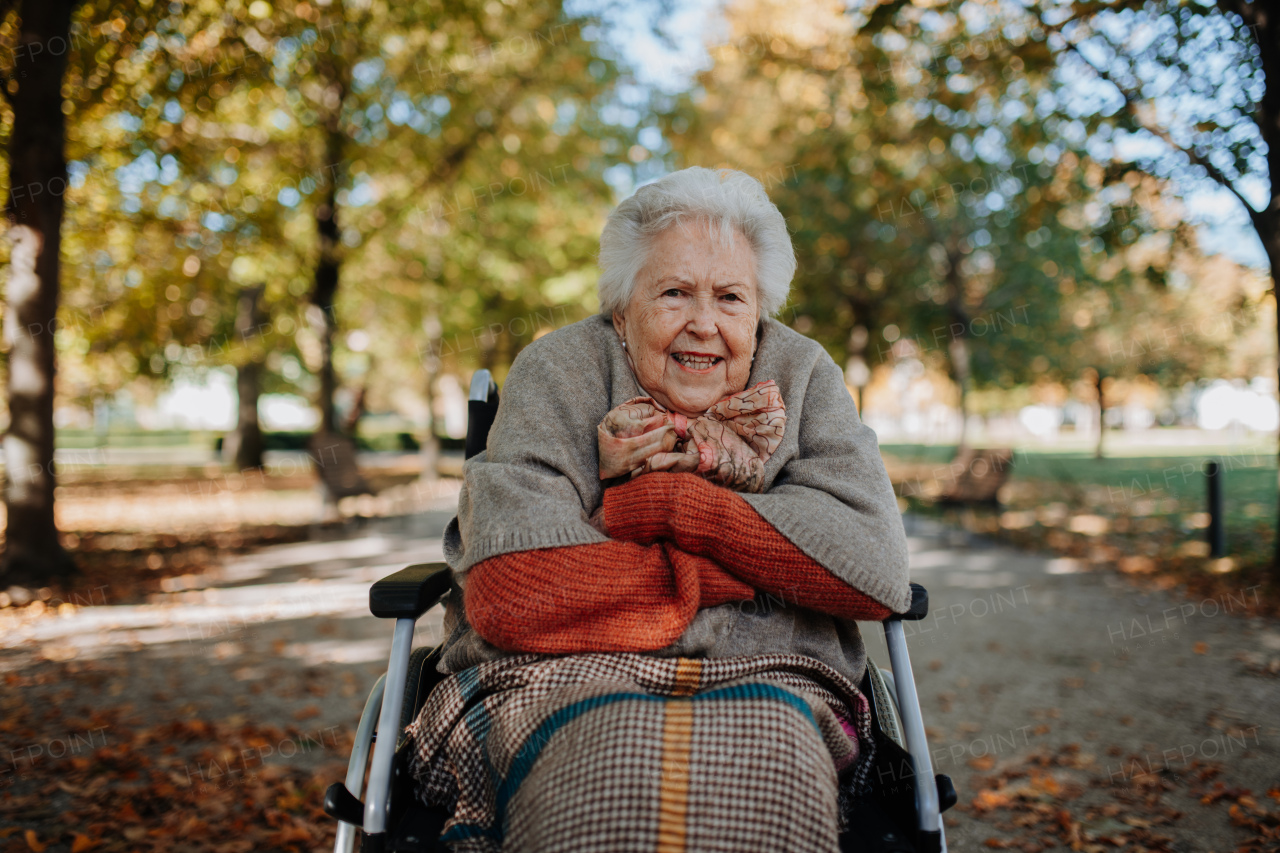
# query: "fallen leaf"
988, 799
1048, 784
1200, 648
306, 713
291, 834
81, 843
1137, 565
33, 841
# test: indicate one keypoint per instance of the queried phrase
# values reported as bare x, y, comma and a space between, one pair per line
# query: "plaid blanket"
619, 752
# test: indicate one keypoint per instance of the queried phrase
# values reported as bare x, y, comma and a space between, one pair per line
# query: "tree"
468, 189
37, 181
928, 203
1200, 79
245, 445
471, 180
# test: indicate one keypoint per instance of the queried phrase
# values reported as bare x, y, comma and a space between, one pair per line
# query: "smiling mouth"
696, 362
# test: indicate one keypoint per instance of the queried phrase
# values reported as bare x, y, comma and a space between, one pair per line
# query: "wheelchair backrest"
482, 408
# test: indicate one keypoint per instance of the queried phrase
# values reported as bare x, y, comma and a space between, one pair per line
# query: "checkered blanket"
620, 752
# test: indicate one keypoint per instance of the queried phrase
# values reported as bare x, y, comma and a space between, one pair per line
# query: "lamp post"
856, 372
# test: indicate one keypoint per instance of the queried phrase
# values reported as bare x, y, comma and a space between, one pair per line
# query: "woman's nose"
702, 318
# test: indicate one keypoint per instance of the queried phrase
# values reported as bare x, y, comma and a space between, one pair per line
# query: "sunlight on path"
277, 584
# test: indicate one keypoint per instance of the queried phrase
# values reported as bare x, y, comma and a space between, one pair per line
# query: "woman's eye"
733, 297
672, 292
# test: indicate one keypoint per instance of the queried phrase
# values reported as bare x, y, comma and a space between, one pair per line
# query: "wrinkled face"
691, 323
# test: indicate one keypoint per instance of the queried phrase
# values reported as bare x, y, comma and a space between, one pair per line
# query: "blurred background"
249, 239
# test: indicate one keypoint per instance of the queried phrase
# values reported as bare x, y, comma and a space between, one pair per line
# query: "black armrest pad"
410, 592
919, 606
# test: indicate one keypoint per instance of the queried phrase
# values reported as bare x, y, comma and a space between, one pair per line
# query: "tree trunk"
37, 180
1268, 226
1261, 20
1102, 418
430, 451
246, 444
326, 282
359, 406
957, 347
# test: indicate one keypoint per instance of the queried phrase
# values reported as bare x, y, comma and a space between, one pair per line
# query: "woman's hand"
639, 437
633, 434
727, 445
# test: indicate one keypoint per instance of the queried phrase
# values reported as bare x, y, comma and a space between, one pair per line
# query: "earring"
624, 344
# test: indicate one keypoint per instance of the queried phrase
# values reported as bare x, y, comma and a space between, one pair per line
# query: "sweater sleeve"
714, 522
606, 597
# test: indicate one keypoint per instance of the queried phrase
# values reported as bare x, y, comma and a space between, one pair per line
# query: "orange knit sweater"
679, 544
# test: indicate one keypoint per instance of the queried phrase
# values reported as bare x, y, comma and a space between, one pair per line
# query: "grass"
1169, 486
1141, 514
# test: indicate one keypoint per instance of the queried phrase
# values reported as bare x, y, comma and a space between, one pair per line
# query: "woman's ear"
620, 325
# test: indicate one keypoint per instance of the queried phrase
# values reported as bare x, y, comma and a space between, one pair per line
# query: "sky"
1225, 226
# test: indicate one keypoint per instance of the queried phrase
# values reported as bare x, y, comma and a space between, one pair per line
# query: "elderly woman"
660, 559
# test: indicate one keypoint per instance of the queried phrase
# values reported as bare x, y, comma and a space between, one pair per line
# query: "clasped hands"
728, 444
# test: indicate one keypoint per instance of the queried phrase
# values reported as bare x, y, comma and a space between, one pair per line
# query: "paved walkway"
1047, 690
1024, 655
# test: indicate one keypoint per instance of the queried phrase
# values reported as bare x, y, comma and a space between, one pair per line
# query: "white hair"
727, 200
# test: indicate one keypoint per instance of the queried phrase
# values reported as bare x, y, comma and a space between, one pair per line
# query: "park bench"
977, 476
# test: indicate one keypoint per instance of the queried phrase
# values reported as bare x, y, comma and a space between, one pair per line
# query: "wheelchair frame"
410, 592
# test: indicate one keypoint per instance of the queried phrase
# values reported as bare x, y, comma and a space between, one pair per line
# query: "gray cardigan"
826, 490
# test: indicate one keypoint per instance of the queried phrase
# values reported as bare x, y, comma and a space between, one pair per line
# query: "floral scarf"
728, 444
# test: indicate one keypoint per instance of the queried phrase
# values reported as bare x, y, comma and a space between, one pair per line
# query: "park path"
1047, 690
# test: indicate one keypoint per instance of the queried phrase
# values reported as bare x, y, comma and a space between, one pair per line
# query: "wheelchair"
899, 815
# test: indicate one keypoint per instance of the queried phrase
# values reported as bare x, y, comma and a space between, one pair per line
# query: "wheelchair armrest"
919, 606
410, 592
